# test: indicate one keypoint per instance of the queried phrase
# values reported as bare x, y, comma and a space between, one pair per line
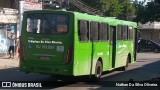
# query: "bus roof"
85, 16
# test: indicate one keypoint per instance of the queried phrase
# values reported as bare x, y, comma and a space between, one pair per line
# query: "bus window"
83, 30
119, 32
94, 31
47, 23
33, 25
103, 32
130, 33
124, 32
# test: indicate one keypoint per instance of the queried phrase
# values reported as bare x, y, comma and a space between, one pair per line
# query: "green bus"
75, 44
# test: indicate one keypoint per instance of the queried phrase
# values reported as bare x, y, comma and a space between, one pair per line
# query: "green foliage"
107, 7
113, 8
148, 13
110, 7
128, 9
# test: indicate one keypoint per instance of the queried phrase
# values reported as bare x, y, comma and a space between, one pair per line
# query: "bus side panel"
101, 52
119, 53
127, 50
86, 54
131, 50
82, 53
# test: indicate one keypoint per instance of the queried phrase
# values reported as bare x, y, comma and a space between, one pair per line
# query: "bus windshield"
43, 23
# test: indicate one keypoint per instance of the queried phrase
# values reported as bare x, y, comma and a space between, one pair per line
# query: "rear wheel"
98, 71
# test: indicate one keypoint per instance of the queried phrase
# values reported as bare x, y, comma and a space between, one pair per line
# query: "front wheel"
98, 71
124, 68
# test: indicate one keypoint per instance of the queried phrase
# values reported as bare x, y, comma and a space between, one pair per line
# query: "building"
150, 30
8, 22
10, 19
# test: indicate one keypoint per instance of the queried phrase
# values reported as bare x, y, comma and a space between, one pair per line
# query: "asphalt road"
146, 67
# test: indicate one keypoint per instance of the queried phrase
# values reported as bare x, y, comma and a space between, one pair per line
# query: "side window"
124, 32
119, 32
94, 31
103, 32
112, 34
83, 30
130, 33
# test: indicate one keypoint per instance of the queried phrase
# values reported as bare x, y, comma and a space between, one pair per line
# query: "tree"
113, 8
107, 7
139, 6
128, 9
149, 13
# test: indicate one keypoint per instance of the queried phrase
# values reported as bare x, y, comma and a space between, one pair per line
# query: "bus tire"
124, 68
98, 71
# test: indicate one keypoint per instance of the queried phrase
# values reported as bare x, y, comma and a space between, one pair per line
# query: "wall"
150, 30
151, 34
149, 25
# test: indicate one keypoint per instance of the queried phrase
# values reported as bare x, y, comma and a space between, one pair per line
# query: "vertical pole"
6, 37
21, 5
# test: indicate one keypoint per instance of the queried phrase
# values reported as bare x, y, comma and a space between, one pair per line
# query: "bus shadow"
151, 69
14, 75
148, 72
